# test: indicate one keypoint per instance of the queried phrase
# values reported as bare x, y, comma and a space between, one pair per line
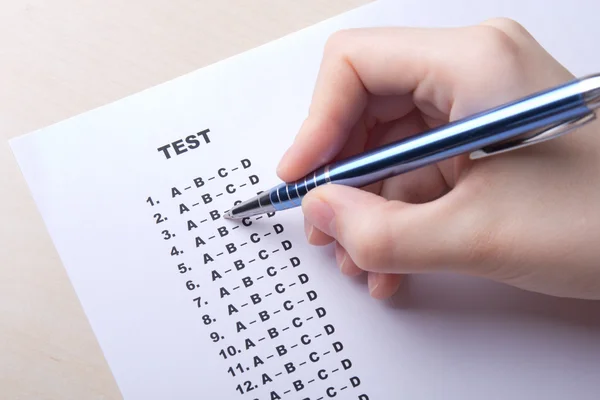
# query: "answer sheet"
188, 305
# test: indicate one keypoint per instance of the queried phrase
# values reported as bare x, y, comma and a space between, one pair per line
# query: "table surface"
59, 59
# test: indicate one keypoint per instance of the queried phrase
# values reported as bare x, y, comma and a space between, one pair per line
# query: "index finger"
356, 64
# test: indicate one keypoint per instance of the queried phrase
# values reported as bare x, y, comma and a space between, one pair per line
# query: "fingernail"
341, 257
308, 230
319, 214
343, 263
373, 282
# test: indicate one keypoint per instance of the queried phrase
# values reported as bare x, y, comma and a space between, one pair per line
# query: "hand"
529, 218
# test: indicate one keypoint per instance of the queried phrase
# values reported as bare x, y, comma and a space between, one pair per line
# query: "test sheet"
188, 305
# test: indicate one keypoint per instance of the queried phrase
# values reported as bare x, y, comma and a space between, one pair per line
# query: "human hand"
529, 218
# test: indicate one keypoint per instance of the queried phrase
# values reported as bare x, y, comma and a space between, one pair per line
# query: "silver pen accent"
533, 119
327, 176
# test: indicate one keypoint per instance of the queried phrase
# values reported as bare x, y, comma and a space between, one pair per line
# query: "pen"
533, 119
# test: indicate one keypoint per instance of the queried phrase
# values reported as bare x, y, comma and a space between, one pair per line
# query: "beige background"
60, 58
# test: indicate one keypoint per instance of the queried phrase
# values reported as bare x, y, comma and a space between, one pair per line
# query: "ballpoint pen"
533, 119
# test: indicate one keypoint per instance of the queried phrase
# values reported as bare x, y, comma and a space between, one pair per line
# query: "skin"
528, 218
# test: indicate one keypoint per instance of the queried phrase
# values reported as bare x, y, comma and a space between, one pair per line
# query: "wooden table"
63, 57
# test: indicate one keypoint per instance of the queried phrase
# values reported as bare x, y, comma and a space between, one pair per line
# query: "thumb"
389, 236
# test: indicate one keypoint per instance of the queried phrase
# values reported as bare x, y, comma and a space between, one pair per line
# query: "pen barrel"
502, 125
497, 126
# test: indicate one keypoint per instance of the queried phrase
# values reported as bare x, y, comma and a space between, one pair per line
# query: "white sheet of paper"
220, 320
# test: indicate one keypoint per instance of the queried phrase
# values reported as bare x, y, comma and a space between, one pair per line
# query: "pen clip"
542, 136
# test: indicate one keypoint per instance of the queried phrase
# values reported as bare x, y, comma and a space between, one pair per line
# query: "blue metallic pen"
530, 120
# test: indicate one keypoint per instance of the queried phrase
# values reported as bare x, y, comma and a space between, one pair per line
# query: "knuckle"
510, 27
495, 45
337, 41
496, 53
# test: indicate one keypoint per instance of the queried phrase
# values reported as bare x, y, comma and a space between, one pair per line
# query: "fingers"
315, 236
382, 286
394, 237
345, 263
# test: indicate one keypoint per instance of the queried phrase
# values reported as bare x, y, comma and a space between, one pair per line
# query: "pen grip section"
289, 195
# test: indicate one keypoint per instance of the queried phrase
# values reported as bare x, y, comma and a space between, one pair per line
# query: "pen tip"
227, 214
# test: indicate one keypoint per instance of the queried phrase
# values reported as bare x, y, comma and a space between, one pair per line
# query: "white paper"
443, 337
